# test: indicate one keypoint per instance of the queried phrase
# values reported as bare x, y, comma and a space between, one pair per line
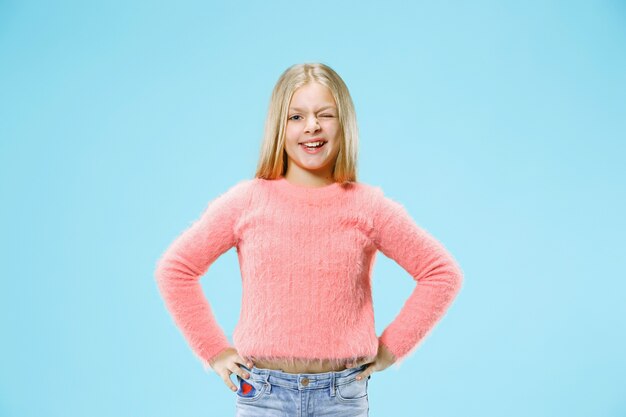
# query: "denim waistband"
304, 381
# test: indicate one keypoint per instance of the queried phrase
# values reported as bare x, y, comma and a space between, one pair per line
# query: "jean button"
305, 381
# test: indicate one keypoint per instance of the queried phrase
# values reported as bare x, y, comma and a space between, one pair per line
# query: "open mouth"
313, 145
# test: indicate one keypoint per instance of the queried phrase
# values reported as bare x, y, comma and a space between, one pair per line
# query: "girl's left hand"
384, 359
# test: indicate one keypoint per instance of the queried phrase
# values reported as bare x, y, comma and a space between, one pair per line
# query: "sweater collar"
307, 193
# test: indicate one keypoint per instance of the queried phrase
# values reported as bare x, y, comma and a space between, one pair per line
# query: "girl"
306, 234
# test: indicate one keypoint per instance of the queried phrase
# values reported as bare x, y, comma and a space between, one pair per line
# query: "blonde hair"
273, 157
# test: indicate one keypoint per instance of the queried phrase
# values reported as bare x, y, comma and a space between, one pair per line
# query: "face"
312, 115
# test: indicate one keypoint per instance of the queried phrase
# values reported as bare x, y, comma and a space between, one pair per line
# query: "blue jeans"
274, 393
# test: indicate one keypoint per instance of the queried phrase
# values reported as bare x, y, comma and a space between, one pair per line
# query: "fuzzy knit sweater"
306, 256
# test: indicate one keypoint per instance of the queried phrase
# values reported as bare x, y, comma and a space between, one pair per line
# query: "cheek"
292, 133
331, 127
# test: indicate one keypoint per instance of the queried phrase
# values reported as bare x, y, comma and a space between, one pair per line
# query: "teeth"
313, 144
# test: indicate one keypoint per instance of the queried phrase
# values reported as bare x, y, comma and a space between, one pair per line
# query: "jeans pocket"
250, 390
352, 391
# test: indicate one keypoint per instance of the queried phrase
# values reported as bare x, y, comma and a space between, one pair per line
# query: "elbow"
173, 269
162, 271
457, 276
159, 275
449, 274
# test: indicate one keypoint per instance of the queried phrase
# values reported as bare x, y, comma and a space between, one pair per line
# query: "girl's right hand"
227, 363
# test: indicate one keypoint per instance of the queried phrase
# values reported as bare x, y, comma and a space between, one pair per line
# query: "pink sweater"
306, 256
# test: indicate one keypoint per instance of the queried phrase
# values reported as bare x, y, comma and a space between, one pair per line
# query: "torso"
296, 367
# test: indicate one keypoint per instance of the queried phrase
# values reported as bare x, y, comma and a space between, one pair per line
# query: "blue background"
499, 125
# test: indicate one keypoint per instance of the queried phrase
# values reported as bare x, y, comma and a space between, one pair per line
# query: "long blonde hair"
273, 157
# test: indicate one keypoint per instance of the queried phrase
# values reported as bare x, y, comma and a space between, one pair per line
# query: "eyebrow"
321, 108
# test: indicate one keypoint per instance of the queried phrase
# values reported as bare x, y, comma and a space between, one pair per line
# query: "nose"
312, 125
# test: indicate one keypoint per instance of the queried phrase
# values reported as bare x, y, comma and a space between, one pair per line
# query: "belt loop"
266, 378
332, 384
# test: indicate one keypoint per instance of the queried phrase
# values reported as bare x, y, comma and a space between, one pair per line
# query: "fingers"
227, 363
225, 375
233, 368
366, 372
245, 362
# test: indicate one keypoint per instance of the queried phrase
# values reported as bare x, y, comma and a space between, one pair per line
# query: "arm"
188, 258
438, 276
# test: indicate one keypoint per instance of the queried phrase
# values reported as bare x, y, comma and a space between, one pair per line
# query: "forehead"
325, 107
312, 95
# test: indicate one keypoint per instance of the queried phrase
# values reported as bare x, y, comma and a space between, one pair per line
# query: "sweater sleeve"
188, 257
438, 276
